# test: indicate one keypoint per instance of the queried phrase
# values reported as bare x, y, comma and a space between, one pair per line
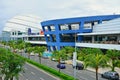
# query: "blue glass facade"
62, 32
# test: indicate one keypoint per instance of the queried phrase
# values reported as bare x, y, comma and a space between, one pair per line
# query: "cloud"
47, 9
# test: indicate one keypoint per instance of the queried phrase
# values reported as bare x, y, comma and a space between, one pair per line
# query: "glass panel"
46, 28
96, 22
67, 37
104, 21
53, 38
52, 28
75, 26
64, 27
87, 25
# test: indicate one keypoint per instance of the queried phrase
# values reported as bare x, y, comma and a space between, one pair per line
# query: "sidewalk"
102, 70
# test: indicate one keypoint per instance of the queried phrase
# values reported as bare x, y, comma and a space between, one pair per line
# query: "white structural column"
118, 37
93, 39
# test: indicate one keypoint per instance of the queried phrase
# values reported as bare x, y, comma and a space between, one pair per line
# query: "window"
75, 26
53, 38
64, 27
46, 28
88, 25
96, 22
67, 37
42, 39
104, 21
52, 28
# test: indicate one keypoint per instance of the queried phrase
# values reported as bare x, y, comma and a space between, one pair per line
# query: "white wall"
110, 26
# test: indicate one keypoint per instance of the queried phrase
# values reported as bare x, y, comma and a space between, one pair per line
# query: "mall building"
94, 31
24, 27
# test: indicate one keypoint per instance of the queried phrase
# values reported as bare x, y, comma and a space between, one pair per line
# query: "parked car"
110, 75
61, 66
79, 66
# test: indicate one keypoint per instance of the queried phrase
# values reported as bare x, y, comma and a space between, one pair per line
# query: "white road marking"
25, 68
33, 73
41, 79
21, 74
44, 71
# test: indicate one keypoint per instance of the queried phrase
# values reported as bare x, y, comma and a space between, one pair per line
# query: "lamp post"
74, 63
74, 59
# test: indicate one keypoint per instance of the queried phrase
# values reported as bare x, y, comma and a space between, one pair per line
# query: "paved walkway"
102, 70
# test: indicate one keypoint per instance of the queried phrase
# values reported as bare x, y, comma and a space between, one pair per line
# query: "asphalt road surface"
33, 73
80, 74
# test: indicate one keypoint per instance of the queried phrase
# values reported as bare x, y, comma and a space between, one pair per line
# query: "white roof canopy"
109, 27
100, 33
22, 22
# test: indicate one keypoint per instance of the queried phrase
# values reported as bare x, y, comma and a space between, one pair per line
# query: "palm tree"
29, 50
27, 44
40, 51
96, 60
12, 45
68, 51
4, 43
61, 54
11, 64
19, 45
83, 53
113, 55
57, 55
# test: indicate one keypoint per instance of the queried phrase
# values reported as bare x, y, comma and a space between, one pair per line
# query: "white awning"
99, 33
97, 45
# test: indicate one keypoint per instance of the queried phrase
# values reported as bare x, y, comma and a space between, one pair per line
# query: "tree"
68, 51
57, 55
61, 54
12, 45
27, 44
11, 64
82, 54
113, 55
20, 45
4, 43
96, 60
40, 51
29, 50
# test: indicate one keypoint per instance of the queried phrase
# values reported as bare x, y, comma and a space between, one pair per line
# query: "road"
80, 74
33, 73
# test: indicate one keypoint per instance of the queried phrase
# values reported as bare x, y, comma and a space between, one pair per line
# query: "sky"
56, 9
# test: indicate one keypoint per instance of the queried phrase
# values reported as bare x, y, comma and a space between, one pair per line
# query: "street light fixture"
75, 58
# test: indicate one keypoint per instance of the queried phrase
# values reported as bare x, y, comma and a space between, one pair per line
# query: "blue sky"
55, 9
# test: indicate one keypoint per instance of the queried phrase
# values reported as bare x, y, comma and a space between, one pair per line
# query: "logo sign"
29, 31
